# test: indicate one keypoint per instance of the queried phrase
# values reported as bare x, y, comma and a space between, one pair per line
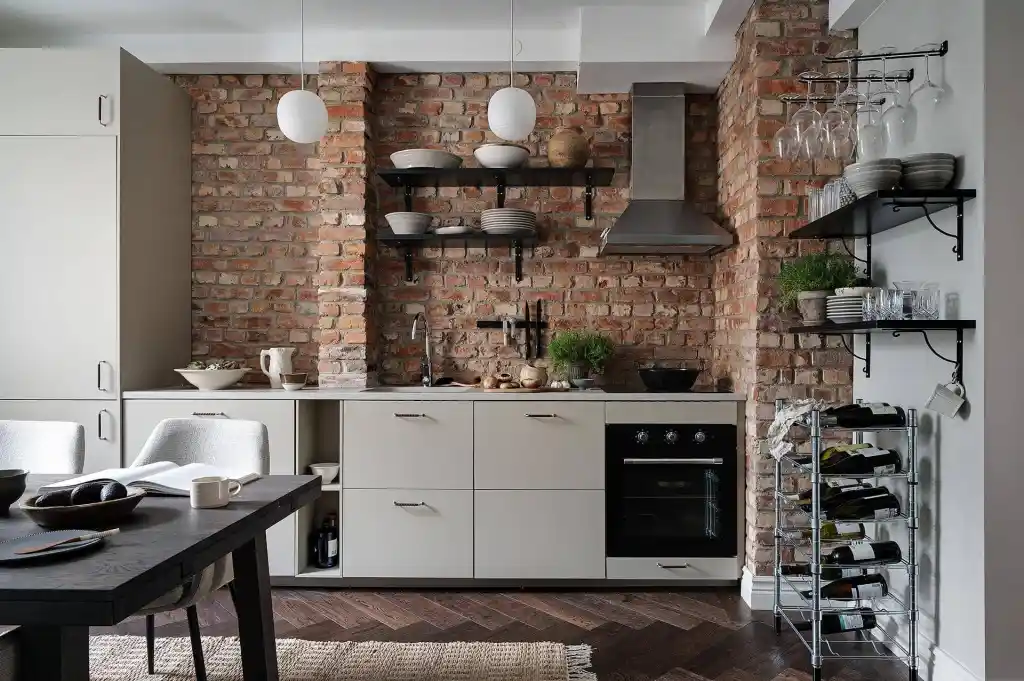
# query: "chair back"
236, 447
42, 446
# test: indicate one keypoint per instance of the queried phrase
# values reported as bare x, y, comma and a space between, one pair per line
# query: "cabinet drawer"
410, 445
674, 412
673, 569
407, 533
539, 534
539, 445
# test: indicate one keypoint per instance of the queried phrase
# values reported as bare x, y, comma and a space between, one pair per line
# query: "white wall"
952, 550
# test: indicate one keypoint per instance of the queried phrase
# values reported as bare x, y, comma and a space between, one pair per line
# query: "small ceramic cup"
214, 491
294, 381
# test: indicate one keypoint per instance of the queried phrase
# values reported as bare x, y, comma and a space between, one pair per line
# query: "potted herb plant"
580, 353
806, 281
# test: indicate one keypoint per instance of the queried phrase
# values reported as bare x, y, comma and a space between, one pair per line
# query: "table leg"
54, 653
255, 611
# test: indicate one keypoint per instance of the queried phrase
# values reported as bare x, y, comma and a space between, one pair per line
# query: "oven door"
682, 505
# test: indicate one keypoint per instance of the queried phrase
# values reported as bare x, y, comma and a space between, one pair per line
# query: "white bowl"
212, 379
501, 155
851, 291
876, 164
425, 158
408, 223
292, 387
327, 471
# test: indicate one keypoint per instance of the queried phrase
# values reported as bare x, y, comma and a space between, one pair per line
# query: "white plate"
453, 229
511, 231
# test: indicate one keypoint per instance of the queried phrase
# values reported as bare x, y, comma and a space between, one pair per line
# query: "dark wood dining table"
164, 543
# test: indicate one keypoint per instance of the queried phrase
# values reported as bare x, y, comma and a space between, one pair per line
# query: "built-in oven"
671, 490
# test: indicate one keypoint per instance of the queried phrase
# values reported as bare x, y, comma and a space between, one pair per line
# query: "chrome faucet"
425, 368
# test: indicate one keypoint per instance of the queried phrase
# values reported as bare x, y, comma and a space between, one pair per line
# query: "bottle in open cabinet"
326, 544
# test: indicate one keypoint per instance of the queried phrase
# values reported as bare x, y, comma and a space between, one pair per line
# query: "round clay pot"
811, 305
568, 148
532, 374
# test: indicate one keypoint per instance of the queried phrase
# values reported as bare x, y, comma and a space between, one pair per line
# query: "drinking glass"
905, 298
870, 136
926, 301
928, 92
890, 304
870, 309
894, 118
807, 122
786, 142
837, 128
850, 95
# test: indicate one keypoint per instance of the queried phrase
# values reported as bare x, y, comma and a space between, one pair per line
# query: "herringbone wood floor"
691, 635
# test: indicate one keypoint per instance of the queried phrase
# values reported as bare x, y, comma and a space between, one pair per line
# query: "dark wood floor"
687, 635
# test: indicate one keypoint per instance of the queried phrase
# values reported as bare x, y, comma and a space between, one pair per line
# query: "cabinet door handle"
211, 414
410, 416
100, 102
680, 566
99, 425
99, 375
409, 504
541, 416
676, 462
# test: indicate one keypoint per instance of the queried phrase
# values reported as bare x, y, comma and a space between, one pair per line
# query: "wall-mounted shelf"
896, 327
410, 178
409, 243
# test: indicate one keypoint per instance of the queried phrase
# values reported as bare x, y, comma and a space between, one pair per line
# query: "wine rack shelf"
800, 611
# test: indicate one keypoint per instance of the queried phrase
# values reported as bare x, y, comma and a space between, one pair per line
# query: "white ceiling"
689, 40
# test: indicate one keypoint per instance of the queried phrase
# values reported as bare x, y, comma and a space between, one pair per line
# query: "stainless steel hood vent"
658, 221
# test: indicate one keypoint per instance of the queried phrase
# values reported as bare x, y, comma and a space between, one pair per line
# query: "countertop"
314, 393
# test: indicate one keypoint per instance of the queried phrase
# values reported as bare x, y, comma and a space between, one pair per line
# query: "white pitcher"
276, 361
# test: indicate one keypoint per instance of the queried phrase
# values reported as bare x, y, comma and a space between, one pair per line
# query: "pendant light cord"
302, 44
512, 44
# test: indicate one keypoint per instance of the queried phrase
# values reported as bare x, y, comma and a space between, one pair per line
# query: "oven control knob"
699, 437
671, 437
642, 436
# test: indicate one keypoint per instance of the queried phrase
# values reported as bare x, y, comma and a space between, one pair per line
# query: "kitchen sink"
418, 389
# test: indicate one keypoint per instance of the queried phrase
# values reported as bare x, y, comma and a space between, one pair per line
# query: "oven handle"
677, 462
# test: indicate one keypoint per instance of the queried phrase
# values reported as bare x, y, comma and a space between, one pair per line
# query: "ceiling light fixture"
511, 111
301, 114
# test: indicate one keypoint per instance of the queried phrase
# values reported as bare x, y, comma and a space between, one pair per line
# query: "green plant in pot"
806, 281
578, 354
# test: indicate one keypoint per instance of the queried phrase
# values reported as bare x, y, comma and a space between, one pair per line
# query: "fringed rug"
123, 658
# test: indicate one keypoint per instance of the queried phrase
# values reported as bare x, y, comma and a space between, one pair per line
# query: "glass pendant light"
301, 114
511, 111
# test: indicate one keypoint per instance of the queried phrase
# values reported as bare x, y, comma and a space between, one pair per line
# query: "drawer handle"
409, 504
676, 462
673, 567
541, 416
101, 102
410, 416
212, 414
99, 425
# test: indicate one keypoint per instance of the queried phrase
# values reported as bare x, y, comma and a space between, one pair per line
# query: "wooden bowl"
98, 516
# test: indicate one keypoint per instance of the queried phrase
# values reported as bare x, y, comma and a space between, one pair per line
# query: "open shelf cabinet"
409, 243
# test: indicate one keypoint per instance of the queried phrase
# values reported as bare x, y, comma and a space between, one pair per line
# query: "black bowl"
12, 486
100, 515
669, 380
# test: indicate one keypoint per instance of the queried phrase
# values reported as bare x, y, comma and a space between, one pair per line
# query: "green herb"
580, 347
815, 272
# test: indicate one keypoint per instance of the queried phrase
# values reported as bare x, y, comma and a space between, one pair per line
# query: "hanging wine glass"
894, 117
836, 117
870, 137
786, 142
928, 92
888, 89
807, 123
850, 95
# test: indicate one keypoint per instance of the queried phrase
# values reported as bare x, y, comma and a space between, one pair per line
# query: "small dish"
583, 383
9, 549
501, 155
12, 486
327, 471
294, 381
98, 516
425, 158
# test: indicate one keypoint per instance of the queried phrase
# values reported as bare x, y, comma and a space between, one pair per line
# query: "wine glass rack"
878, 643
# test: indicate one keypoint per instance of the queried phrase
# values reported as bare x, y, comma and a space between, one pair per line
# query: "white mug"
213, 492
947, 399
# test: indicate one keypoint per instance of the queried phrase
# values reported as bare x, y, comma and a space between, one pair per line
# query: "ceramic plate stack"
928, 171
842, 309
871, 176
509, 221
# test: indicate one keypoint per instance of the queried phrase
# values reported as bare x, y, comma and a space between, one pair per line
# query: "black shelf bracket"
517, 251
588, 198
958, 248
866, 359
501, 195
407, 254
408, 198
958, 363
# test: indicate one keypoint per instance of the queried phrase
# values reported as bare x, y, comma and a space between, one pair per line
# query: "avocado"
61, 497
113, 490
86, 493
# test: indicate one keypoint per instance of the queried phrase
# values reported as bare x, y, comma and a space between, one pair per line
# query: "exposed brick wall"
254, 225
654, 308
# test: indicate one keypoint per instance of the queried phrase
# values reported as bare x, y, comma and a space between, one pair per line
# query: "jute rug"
123, 658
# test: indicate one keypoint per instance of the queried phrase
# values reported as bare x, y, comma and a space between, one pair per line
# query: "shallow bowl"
97, 516
212, 379
501, 155
425, 158
407, 223
327, 471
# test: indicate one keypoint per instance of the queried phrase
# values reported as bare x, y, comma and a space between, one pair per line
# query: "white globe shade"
302, 116
511, 114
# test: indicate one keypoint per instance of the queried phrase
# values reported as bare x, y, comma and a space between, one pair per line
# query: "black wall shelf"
409, 243
409, 178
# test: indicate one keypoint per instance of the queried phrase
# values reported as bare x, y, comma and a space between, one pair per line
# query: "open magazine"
162, 477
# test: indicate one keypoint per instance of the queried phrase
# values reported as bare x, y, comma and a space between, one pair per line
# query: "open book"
162, 477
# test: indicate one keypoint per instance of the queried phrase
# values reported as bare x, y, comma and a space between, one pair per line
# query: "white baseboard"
758, 591
945, 668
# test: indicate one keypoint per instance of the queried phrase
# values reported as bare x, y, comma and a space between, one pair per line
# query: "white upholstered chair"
235, 447
42, 446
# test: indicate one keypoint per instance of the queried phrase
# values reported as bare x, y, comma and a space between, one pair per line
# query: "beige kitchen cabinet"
539, 445
675, 569
407, 445
142, 416
423, 533
100, 419
539, 534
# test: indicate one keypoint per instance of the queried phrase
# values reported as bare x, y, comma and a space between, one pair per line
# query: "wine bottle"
861, 587
865, 415
830, 491
881, 504
856, 619
834, 454
827, 573
865, 553
830, 532
327, 543
867, 461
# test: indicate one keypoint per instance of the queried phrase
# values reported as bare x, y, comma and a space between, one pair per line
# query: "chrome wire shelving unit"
802, 608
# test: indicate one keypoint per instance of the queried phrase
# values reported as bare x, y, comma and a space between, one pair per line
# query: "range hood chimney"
658, 220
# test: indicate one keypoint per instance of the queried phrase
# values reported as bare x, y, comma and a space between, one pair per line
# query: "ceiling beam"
844, 15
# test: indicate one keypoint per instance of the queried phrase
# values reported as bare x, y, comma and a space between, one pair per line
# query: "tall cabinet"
94, 237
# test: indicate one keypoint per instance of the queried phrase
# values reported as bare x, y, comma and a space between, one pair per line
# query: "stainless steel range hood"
658, 220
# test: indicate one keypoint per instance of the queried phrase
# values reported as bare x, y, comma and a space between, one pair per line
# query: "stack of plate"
871, 176
928, 171
844, 308
510, 221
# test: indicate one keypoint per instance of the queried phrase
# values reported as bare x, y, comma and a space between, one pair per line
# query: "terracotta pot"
568, 148
533, 374
811, 305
